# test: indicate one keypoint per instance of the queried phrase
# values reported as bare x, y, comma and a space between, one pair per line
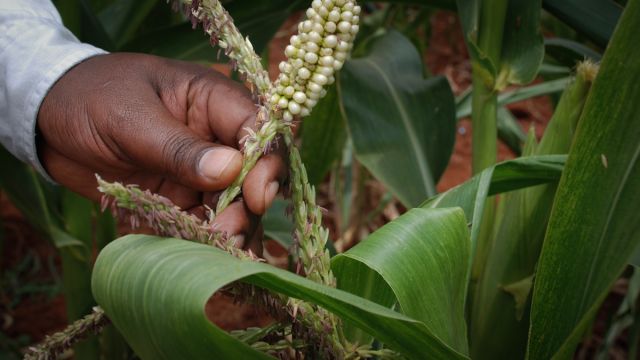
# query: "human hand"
168, 126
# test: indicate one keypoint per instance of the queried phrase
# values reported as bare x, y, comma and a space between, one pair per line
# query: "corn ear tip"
588, 70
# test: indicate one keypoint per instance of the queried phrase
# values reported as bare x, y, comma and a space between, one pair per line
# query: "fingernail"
216, 161
237, 241
270, 192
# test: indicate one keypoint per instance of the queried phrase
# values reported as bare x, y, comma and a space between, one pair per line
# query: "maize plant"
513, 263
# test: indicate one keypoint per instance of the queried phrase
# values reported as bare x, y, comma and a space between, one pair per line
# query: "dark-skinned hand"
168, 126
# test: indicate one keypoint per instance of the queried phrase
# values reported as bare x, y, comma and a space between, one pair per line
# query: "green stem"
492, 18
484, 124
484, 101
484, 120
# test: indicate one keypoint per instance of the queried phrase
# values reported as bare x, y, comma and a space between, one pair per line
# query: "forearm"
35, 51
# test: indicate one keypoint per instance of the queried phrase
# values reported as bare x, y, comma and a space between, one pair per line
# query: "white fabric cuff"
34, 53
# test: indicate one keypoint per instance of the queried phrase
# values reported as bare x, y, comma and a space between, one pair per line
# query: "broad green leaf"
523, 47
595, 223
419, 260
277, 225
593, 18
324, 134
402, 126
154, 290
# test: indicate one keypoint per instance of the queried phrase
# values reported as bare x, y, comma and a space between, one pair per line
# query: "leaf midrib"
411, 131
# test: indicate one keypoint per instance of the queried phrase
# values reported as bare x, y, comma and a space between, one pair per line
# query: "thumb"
196, 163
170, 148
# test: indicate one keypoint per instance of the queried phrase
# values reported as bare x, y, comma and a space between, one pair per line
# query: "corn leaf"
122, 18
259, 21
499, 325
509, 130
154, 290
595, 223
463, 108
569, 52
402, 126
594, 18
506, 176
522, 42
420, 261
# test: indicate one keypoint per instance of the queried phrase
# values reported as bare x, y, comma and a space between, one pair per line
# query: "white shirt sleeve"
35, 51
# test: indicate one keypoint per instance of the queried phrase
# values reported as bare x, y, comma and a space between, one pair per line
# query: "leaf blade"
573, 280
139, 276
402, 126
422, 257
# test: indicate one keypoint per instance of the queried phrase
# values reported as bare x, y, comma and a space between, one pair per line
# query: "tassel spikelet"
54, 345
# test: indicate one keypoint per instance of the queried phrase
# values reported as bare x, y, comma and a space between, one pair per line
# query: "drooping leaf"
569, 52
595, 223
155, 290
506, 176
402, 125
324, 134
420, 261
